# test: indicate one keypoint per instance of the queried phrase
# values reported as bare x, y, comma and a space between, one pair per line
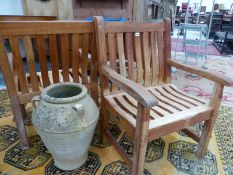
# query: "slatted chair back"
55, 52
136, 50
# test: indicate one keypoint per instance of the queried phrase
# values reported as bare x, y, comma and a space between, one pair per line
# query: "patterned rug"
202, 87
172, 154
177, 44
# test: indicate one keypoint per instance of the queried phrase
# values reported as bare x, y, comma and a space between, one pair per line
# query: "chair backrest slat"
121, 54
112, 51
75, 57
14, 43
31, 62
161, 57
154, 58
40, 40
146, 57
54, 57
138, 56
85, 44
65, 56
142, 49
129, 54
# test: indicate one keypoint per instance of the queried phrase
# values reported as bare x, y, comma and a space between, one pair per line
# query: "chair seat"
174, 106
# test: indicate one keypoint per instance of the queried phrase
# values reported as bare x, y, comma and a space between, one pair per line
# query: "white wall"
11, 7
208, 3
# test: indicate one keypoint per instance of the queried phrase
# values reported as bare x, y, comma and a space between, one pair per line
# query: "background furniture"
199, 43
135, 86
137, 10
70, 44
216, 22
80, 9
224, 37
26, 18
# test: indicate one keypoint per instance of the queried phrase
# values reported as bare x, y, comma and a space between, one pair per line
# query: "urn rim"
47, 93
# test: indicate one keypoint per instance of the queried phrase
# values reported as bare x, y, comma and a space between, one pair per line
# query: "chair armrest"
220, 79
135, 90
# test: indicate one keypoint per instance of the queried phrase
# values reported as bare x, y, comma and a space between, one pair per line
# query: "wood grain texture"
135, 90
146, 58
14, 44
121, 54
44, 27
138, 55
65, 57
43, 60
54, 57
140, 142
26, 18
112, 51
209, 124
11, 89
75, 57
101, 52
161, 57
85, 47
31, 63
154, 58
120, 27
129, 54
167, 48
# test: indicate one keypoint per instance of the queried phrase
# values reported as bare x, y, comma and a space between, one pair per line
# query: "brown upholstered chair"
135, 70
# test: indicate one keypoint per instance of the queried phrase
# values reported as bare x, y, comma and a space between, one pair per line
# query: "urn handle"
34, 100
79, 108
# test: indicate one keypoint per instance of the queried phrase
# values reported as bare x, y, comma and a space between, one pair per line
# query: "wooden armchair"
68, 45
134, 66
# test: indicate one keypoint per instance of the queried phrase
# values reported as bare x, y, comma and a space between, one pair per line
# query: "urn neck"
63, 93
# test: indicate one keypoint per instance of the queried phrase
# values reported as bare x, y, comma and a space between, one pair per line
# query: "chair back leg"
18, 113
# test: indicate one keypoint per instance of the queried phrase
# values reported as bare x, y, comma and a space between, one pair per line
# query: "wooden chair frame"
117, 72
70, 45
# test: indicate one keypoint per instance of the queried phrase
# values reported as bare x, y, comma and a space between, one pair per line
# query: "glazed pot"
65, 117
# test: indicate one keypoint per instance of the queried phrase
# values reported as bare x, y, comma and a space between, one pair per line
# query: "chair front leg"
104, 121
140, 143
209, 124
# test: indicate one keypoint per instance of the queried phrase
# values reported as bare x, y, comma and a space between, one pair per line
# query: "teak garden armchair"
134, 65
63, 48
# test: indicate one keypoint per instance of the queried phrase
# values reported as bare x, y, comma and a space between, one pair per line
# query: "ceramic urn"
65, 117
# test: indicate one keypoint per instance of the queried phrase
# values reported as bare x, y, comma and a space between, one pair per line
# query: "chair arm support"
220, 79
135, 90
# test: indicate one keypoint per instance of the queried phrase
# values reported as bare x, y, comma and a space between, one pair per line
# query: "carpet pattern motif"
172, 154
177, 44
202, 87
